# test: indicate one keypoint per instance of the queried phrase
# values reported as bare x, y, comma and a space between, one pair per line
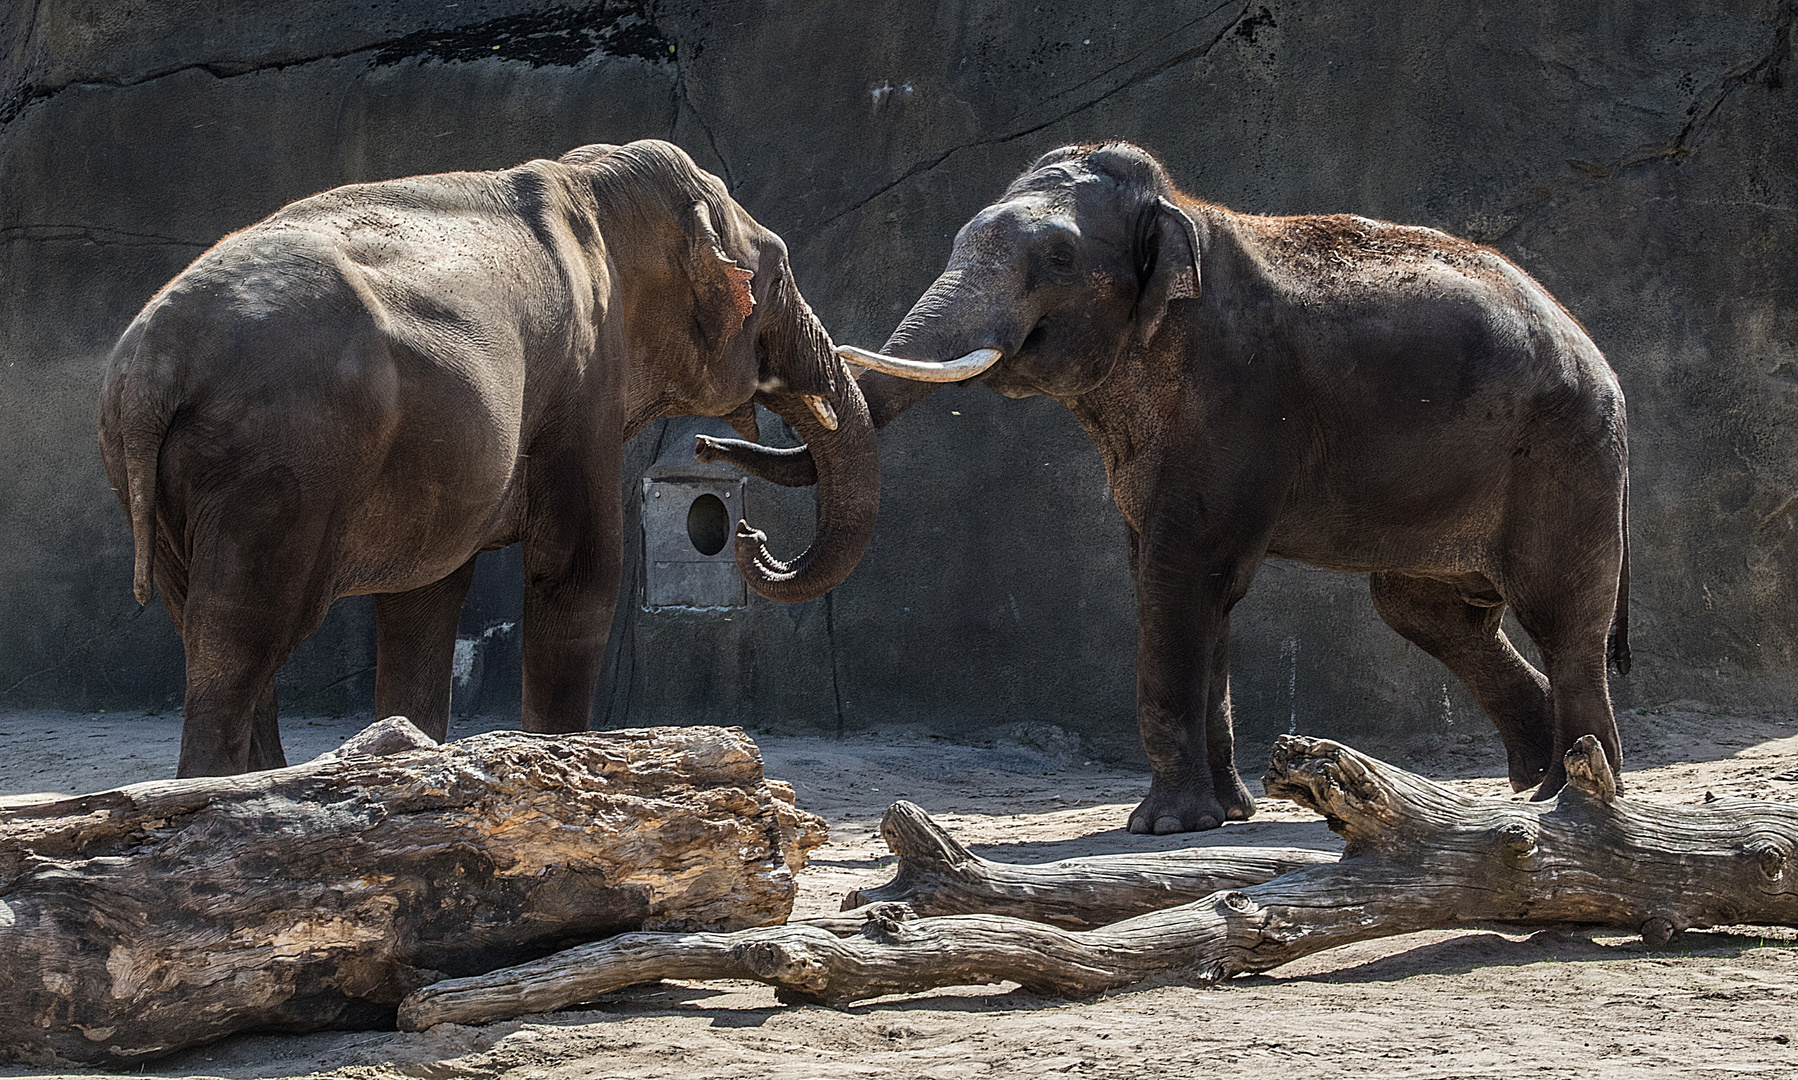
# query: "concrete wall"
1636, 157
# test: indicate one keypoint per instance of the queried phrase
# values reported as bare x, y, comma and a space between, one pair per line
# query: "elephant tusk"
954, 371
821, 409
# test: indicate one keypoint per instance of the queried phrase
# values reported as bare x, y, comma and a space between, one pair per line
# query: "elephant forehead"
1022, 220
1065, 181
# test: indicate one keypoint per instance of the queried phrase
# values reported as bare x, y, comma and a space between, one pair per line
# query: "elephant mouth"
966, 367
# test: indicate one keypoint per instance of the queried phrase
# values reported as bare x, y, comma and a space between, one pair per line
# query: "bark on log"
1419, 856
936, 875
138, 921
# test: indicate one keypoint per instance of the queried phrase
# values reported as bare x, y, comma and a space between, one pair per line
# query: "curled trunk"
843, 461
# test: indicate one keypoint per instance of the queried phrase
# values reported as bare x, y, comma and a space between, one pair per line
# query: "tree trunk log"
138, 921
936, 875
1419, 856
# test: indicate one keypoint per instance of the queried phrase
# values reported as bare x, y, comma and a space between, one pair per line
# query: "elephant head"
1048, 286
718, 326
1044, 290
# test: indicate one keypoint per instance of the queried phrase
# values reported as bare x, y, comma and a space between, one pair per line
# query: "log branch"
1419, 856
936, 875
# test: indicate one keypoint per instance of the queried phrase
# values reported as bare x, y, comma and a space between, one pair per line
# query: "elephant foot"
1526, 765
1552, 783
1523, 772
1233, 795
1189, 810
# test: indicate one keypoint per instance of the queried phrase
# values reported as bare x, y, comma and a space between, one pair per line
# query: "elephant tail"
139, 405
1618, 649
143, 451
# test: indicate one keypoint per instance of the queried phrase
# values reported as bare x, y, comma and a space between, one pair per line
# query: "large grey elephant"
363, 391
1357, 395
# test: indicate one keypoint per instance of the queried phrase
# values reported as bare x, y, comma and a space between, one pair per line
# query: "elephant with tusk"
371, 386
1357, 395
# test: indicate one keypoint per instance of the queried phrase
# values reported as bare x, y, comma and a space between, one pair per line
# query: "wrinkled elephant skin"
1357, 395
363, 391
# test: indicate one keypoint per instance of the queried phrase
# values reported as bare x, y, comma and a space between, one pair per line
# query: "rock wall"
1637, 157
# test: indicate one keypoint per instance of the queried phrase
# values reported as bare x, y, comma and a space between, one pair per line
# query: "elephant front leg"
572, 558
1183, 713
1220, 736
564, 649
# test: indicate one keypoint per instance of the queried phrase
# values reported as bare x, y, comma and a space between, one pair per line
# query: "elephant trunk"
844, 461
930, 333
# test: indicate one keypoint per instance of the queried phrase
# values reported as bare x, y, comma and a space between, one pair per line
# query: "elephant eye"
1050, 265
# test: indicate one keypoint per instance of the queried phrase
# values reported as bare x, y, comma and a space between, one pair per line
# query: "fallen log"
936, 875
1418, 856
138, 921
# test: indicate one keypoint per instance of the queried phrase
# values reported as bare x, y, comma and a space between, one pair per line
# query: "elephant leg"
247, 591
265, 750
1220, 736
1220, 722
1571, 627
235, 641
265, 732
1177, 640
415, 646
1182, 679
572, 559
1561, 577
1470, 641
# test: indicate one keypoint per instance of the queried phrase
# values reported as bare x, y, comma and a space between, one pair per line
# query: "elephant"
1353, 394
363, 391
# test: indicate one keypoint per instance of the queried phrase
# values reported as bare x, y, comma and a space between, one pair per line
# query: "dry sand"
1464, 1003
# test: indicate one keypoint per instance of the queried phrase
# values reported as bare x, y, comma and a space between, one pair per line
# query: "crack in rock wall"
1635, 157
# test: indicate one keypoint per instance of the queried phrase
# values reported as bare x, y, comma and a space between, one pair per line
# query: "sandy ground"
1466, 1003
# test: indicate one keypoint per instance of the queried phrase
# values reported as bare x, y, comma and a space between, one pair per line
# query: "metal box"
690, 515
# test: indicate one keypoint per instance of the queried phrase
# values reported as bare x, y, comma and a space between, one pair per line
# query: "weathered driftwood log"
138, 921
936, 875
1419, 856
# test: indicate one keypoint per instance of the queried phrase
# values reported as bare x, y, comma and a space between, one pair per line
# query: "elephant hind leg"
265, 750
1570, 621
415, 650
1470, 641
234, 647
240, 619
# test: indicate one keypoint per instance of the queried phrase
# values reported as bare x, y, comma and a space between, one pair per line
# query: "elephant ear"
720, 287
1170, 257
